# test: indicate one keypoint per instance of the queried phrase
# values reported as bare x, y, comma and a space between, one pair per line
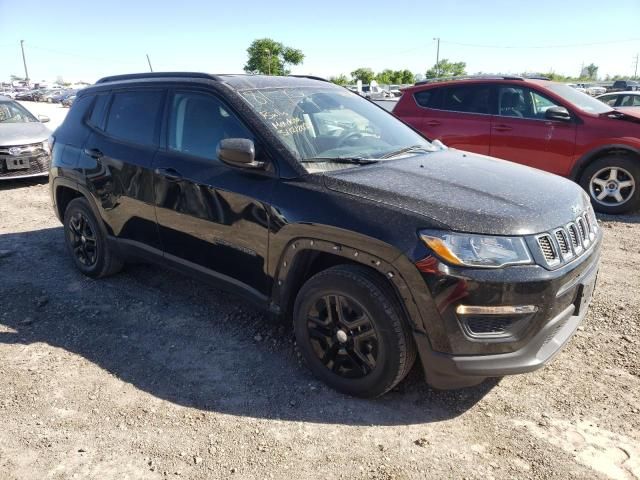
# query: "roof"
479, 79
235, 81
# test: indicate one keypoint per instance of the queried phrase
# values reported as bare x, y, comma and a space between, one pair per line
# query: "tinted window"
630, 101
609, 99
198, 122
522, 102
424, 98
99, 107
133, 116
467, 98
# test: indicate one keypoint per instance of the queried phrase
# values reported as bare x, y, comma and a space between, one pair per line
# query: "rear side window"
425, 98
134, 116
467, 99
99, 107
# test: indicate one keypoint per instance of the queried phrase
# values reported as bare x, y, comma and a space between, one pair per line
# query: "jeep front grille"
565, 243
548, 249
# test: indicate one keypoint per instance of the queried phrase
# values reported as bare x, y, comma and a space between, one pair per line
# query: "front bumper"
38, 166
460, 360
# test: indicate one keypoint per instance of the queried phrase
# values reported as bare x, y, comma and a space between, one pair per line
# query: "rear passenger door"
117, 160
212, 218
459, 116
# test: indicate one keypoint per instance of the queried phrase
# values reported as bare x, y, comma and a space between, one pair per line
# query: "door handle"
93, 153
433, 123
502, 128
170, 174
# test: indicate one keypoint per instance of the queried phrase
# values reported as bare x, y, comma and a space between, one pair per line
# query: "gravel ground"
149, 374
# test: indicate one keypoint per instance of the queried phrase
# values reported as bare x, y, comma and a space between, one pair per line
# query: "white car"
577, 87
621, 99
593, 90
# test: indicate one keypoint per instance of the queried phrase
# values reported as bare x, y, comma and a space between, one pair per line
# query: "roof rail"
312, 77
136, 76
470, 77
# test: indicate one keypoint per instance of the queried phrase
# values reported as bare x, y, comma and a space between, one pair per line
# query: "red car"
535, 122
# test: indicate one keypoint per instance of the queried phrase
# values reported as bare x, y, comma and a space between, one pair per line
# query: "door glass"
198, 122
609, 100
520, 102
467, 99
134, 115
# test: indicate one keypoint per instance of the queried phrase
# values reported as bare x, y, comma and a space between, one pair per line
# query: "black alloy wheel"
343, 336
83, 240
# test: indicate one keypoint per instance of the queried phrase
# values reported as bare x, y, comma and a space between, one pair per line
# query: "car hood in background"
467, 192
22, 133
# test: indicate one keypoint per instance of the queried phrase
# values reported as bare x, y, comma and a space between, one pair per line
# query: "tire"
596, 179
86, 241
373, 327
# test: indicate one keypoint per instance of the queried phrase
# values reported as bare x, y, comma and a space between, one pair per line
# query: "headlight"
477, 250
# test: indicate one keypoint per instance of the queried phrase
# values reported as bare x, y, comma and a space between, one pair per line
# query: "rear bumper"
449, 371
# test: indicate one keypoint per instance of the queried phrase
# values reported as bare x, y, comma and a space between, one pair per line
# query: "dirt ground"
149, 374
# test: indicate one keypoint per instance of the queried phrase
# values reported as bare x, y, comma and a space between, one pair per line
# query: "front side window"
467, 99
630, 101
521, 102
134, 116
197, 123
326, 122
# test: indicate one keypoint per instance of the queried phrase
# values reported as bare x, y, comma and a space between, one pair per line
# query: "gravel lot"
149, 374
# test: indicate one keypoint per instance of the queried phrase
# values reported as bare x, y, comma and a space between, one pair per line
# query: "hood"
22, 133
466, 192
630, 113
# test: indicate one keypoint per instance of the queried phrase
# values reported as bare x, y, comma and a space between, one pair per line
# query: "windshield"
332, 123
578, 99
12, 112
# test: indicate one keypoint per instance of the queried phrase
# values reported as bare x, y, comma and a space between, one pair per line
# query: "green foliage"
266, 56
364, 74
445, 68
389, 77
592, 71
340, 80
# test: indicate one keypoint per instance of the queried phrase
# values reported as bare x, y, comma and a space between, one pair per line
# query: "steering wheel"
349, 136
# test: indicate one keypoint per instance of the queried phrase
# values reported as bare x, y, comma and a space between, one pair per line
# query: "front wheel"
613, 184
351, 331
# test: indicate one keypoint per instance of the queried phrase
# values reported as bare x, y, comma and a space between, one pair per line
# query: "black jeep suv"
323, 207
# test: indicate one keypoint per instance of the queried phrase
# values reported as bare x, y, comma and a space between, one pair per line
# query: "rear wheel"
87, 242
613, 184
351, 331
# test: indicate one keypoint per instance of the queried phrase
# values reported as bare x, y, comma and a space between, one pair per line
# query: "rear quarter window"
425, 98
73, 130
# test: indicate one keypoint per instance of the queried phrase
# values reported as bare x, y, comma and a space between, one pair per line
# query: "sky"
87, 39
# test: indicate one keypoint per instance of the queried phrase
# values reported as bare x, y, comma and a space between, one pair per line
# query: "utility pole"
437, 39
635, 74
149, 62
268, 52
24, 61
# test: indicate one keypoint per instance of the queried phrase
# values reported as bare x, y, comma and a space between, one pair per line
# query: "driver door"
521, 133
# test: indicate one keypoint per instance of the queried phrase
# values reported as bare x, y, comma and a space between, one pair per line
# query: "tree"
269, 57
591, 71
366, 75
406, 77
445, 68
340, 80
386, 77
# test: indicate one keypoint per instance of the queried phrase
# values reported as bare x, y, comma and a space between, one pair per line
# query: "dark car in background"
624, 85
24, 145
321, 207
538, 123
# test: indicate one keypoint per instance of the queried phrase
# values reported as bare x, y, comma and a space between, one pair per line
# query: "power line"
572, 45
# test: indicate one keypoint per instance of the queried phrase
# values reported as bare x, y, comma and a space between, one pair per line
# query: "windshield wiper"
352, 160
412, 148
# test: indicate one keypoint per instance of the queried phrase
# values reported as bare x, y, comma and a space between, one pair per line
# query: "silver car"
24, 145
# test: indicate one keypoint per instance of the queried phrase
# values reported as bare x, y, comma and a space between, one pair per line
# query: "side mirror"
43, 118
238, 152
557, 113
